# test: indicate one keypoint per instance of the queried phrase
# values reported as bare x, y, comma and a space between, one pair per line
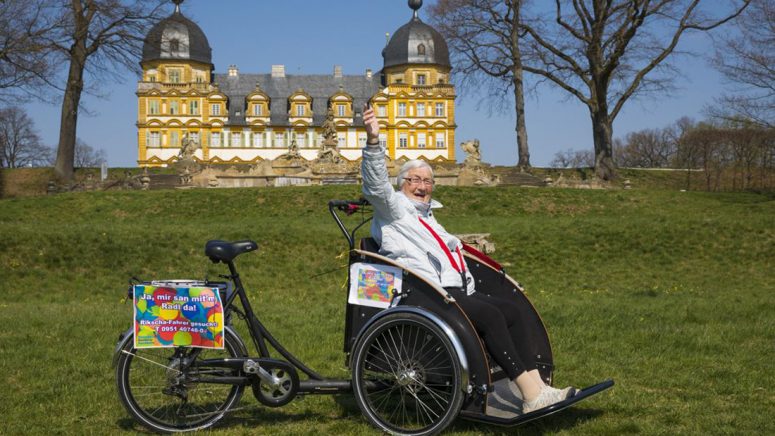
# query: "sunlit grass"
669, 293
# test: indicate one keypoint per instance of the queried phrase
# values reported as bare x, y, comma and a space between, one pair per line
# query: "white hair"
410, 165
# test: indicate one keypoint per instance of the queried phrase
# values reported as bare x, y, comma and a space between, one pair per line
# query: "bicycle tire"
163, 399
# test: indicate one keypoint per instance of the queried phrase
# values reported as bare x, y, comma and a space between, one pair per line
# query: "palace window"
421, 140
193, 107
383, 140
215, 109
151, 78
200, 78
403, 141
174, 107
279, 140
421, 79
299, 110
401, 109
174, 139
174, 46
193, 136
173, 75
258, 139
440, 141
340, 109
258, 110
421, 49
382, 110
236, 139
420, 109
215, 139
154, 139
153, 107
439, 109
341, 141
361, 140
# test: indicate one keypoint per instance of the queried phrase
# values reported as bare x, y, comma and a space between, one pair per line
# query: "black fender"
438, 322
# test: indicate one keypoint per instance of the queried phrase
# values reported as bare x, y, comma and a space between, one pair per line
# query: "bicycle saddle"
223, 251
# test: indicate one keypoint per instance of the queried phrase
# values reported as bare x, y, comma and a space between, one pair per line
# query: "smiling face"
420, 191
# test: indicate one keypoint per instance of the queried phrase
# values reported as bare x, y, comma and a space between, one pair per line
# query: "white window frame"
440, 142
153, 109
422, 79
403, 140
174, 107
301, 140
258, 139
401, 109
236, 139
383, 140
421, 140
215, 139
154, 139
193, 107
258, 109
175, 75
439, 109
300, 110
420, 109
382, 110
341, 140
174, 139
362, 139
215, 109
341, 110
279, 140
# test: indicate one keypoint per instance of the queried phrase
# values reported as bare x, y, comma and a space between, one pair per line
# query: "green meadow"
671, 294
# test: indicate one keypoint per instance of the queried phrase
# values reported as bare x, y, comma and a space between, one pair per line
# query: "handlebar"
349, 207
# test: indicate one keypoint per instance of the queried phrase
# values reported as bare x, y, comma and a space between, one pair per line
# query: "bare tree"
100, 38
573, 159
747, 59
25, 63
485, 43
20, 145
604, 52
648, 148
86, 156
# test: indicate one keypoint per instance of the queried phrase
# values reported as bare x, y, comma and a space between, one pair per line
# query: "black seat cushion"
370, 245
223, 251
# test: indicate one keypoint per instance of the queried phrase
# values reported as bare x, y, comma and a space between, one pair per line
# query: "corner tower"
419, 98
175, 91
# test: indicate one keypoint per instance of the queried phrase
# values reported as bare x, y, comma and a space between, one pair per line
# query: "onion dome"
176, 37
416, 43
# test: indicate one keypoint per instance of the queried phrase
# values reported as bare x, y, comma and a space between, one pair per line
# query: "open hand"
371, 124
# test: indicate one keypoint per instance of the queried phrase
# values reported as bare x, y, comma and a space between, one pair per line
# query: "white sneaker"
545, 398
563, 393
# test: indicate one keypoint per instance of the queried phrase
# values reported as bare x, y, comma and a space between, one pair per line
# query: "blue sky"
311, 36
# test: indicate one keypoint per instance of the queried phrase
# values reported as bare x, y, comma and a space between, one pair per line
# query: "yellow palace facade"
238, 118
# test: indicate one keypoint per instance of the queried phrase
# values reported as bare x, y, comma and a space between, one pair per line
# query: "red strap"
444, 248
483, 257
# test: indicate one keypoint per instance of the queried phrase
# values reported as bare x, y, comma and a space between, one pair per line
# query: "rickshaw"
415, 359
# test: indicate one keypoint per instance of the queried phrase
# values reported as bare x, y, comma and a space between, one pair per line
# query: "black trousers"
497, 320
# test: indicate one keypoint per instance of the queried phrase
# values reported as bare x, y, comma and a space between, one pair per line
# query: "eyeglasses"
417, 180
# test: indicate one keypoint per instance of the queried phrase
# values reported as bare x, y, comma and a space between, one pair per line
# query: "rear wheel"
163, 397
407, 376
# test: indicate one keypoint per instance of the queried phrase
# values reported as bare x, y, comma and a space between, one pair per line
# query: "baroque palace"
238, 118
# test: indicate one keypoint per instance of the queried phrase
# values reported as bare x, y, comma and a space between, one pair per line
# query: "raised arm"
376, 183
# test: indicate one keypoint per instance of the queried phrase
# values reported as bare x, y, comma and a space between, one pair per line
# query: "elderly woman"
407, 232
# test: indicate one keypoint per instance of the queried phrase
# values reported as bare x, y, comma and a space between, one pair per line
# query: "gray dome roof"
416, 43
177, 37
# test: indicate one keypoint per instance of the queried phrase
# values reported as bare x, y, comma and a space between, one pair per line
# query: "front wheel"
407, 376
164, 398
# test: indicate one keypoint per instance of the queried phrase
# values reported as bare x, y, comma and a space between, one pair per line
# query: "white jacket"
400, 233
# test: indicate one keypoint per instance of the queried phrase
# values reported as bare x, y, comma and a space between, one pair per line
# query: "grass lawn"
671, 294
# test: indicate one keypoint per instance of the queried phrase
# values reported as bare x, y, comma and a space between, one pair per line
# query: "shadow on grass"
565, 420
250, 417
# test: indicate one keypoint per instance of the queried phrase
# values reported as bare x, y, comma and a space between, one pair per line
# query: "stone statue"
328, 153
471, 148
187, 148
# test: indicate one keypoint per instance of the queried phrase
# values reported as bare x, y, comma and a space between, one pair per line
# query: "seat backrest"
370, 245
